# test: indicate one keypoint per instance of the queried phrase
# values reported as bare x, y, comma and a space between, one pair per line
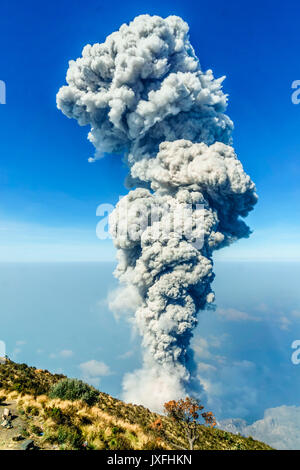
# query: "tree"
187, 413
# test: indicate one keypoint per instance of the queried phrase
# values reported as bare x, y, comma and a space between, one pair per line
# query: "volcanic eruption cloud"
145, 96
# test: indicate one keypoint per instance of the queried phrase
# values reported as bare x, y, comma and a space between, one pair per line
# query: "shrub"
25, 433
120, 443
116, 430
57, 415
50, 435
32, 410
18, 387
157, 425
74, 389
36, 430
70, 435
152, 445
2, 400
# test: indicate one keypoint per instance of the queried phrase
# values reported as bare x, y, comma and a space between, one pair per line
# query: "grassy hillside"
98, 421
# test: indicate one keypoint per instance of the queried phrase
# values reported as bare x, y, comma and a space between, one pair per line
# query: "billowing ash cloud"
144, 95
143, 86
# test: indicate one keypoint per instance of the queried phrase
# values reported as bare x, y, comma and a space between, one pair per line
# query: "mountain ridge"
106, 423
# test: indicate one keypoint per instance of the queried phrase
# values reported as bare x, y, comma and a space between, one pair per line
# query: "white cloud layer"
93, 370
280, 427
232, 314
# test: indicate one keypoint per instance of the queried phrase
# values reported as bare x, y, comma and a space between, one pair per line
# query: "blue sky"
49, 192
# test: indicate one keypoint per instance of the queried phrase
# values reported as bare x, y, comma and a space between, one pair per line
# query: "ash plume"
145, 96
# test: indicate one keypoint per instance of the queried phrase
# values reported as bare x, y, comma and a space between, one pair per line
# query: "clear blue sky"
48, 190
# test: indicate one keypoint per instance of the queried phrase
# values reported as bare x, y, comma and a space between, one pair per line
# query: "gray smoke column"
145, 96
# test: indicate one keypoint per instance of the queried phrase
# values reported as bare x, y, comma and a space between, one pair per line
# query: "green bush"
74, 389
120, 443
36, 430
116, 430
57, 415
18, 387
32, 410
70, 436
